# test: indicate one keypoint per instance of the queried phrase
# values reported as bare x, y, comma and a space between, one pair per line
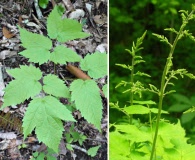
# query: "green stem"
162, 88
131, 93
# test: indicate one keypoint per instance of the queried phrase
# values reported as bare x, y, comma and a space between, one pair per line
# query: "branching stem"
162, 88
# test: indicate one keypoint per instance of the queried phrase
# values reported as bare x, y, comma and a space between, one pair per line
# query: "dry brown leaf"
7, 33
20, 21
77, 72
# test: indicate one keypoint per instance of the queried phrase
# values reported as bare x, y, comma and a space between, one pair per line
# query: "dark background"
128, 21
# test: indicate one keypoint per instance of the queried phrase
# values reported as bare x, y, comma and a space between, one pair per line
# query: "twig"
6, 8
38, 22
39, 13
99, 140
53, 3
79, 148
68, 5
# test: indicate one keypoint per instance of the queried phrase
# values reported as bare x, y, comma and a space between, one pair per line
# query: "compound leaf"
87, 99
63, 30
24, 86
37, 46
95, 64
61, 54
45, 115
55, 86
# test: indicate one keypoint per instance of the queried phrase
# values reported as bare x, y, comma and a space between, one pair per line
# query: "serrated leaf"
29, 72
105, 90
37, 45
24, 86
118, 146
136, 109
134, 133
87, 99
63, 30
55, 86
93, 151
61, 55
95, 64
45, 115
36, 55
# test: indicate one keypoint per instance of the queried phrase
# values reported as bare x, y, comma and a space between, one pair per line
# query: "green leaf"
139, 109
118, 146
93, 151
43, 3
41, 156
69, 139
178, 107
95, 64
155, 110
45, 115
87, 99
125, 66
24, 86
186, 118
134, 133
82, 139
181, 98
36, 55
144, 102
69, 147
105, 90
29, 72
136, 109
37, 46
63, 30
61, 55
55, 86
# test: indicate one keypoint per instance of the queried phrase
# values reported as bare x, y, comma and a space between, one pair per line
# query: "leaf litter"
93, 16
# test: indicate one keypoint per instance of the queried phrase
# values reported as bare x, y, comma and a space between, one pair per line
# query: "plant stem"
131, 93
162, 88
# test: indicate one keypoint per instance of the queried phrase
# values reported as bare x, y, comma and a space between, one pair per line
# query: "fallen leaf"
8, 135
78, 13
77, 72
100, 19
7, 33
20, 21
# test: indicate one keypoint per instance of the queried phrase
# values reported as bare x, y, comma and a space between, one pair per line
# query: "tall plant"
158, 139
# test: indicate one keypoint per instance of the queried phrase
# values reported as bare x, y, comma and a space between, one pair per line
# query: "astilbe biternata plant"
45, 113
156, 139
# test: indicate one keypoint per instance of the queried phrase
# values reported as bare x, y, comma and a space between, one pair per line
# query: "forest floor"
24, 13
